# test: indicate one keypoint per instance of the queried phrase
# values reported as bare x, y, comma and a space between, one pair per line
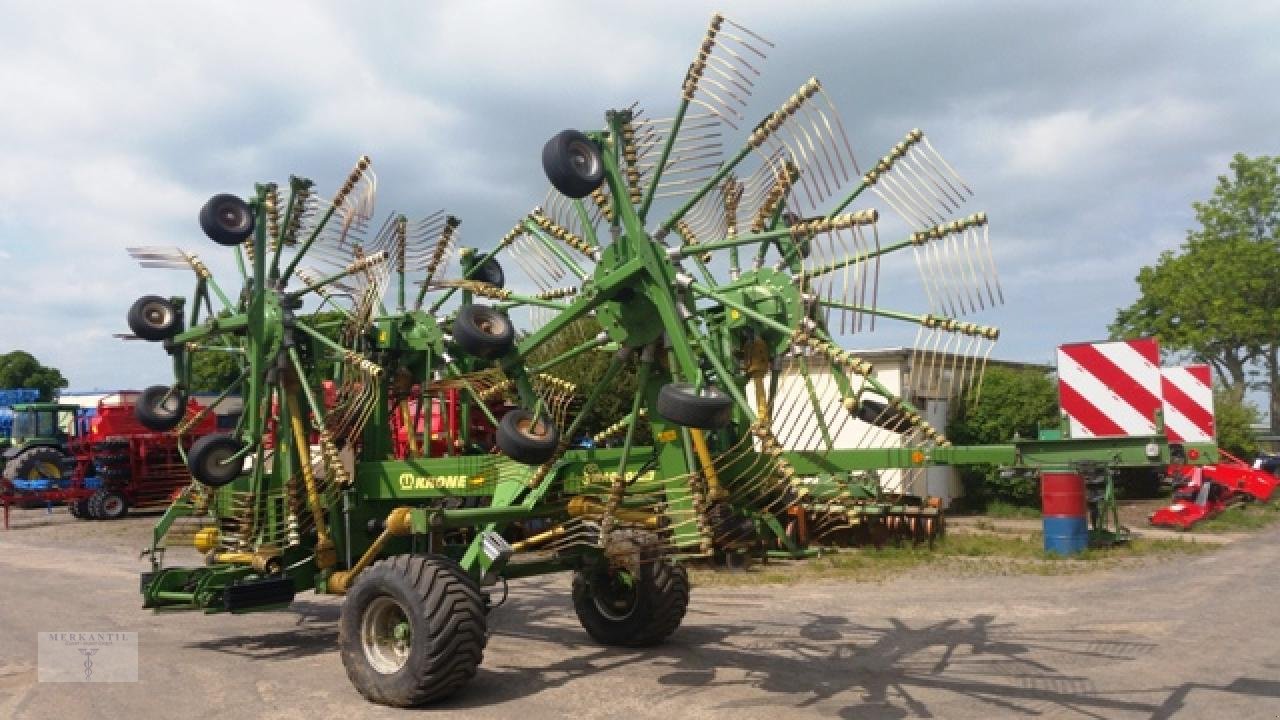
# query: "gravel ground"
1182, 637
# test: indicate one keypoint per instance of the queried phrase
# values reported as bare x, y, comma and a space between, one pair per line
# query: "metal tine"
974, 357
875, 274
829, 150
835, 130
803, 137
819, 245
706, 218
976, 277
934, 155
732, 74
780, 141
934, 359
958, 345
952, 269
982, 270
986, 242
517, 255
982, 370
961, 239
914, 162
926, 276
890, 197
943, 278
542, 268
911, 197
955, 270
851, 247
940, 201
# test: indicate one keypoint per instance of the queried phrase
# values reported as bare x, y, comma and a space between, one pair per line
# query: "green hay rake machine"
722, 282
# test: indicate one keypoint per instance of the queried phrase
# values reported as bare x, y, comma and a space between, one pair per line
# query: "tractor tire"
641, 616
207, 459
36, 462
161, 408
709, 409
520, 439
154, 318
483, 332
412, 630
107, 505
490, 272
226, 219
93, 506
572, 163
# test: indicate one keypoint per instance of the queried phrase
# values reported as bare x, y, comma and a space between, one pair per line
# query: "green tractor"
38, 442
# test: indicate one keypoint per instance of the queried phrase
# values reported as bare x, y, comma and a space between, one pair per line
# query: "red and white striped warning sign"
1188, 403
1110, 389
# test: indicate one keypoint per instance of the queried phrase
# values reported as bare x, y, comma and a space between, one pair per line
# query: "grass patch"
1241, 518
1008, 511
957, 554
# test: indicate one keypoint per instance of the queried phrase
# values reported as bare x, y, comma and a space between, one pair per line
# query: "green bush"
1012, 402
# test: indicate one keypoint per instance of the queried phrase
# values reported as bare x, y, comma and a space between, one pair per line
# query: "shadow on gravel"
316, 633
803, 661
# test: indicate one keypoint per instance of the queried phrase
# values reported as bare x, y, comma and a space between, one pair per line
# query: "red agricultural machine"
100, 466
1200, 493
135, 467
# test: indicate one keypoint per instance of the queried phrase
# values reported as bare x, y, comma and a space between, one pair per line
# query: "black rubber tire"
573, 164
78, 509
490, 272
657, 609
679, 403
154, 318
446, 615
41, 461
880, 415
93, 506
107, 505
158, 414
530, 448
483, 332
227, 219
206, 459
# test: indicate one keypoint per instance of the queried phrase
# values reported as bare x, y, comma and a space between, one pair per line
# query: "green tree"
585, 371
213, 371
19, 369
1232, 420
1012, 402
1217, 300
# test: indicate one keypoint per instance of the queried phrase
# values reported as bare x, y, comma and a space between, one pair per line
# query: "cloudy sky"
1086, 128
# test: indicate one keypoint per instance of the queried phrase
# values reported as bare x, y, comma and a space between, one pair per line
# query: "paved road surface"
1193, 638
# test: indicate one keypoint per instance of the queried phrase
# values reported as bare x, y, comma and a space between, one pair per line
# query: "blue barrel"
1065, 535
1066, 529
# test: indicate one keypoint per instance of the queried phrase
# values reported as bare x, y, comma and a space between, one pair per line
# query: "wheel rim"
216, 460
386, 635
157, 315
492, 325
112, 505
583, 158
617, 602
530, 429
230, 216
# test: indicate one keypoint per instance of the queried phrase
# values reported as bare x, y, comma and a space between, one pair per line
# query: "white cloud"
119, 119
